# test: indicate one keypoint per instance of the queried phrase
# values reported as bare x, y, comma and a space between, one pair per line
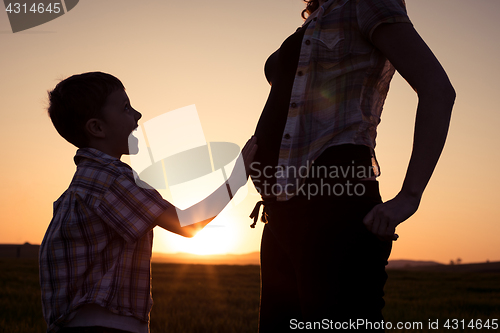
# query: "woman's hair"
311, 6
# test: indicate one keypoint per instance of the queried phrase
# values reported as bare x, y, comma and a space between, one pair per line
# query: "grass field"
204, 299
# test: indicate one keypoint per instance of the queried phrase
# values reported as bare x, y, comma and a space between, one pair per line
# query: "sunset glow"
214, 58
214, 239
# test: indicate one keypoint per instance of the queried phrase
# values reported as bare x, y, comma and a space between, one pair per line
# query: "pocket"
330, 47
330, 39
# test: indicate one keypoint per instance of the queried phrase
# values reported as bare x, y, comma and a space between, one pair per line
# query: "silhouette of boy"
95, 258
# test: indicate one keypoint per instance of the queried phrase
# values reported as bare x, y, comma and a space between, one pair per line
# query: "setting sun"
216, 238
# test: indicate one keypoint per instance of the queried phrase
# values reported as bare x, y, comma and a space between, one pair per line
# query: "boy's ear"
94, 128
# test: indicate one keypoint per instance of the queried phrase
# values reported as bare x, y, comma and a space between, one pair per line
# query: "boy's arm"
169, 220
199, 215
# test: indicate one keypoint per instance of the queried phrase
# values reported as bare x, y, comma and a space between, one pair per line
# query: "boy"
95, 257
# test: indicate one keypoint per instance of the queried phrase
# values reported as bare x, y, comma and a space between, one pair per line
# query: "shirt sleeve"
130, 209
372, 13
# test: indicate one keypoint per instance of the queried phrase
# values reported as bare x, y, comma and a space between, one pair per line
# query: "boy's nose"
138, 115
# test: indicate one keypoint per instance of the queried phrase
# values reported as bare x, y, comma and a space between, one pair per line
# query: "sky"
170, 54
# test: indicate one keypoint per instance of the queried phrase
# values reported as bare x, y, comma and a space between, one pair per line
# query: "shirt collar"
95, 155
323, 8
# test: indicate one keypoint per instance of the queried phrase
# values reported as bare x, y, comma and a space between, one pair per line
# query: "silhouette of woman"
328, 235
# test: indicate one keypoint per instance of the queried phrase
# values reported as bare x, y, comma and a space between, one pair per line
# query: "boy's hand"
248, 153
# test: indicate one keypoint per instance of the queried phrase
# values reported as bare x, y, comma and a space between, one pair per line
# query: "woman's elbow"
439, 92
449, 93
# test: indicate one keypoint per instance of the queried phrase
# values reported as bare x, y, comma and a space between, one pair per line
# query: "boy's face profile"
111, 133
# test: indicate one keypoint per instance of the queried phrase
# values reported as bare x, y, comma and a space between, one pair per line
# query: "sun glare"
216, 238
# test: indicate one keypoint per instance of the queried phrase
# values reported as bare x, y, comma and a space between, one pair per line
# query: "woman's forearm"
431, 128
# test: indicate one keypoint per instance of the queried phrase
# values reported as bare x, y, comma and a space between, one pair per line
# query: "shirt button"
294, 105
308, 42
287, 136
299, 73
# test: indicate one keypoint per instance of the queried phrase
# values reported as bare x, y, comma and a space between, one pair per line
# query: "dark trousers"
320, 264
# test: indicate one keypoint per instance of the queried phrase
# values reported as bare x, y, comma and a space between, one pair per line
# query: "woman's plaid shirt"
340, 85
97, 248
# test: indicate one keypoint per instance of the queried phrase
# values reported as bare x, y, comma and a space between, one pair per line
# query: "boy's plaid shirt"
97, 248
340, 85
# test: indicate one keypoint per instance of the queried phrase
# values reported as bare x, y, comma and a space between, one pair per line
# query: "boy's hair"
77, 99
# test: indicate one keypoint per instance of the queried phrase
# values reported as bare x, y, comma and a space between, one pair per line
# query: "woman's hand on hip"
383, 219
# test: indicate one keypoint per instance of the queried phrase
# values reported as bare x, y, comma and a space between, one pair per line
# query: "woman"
328, 235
